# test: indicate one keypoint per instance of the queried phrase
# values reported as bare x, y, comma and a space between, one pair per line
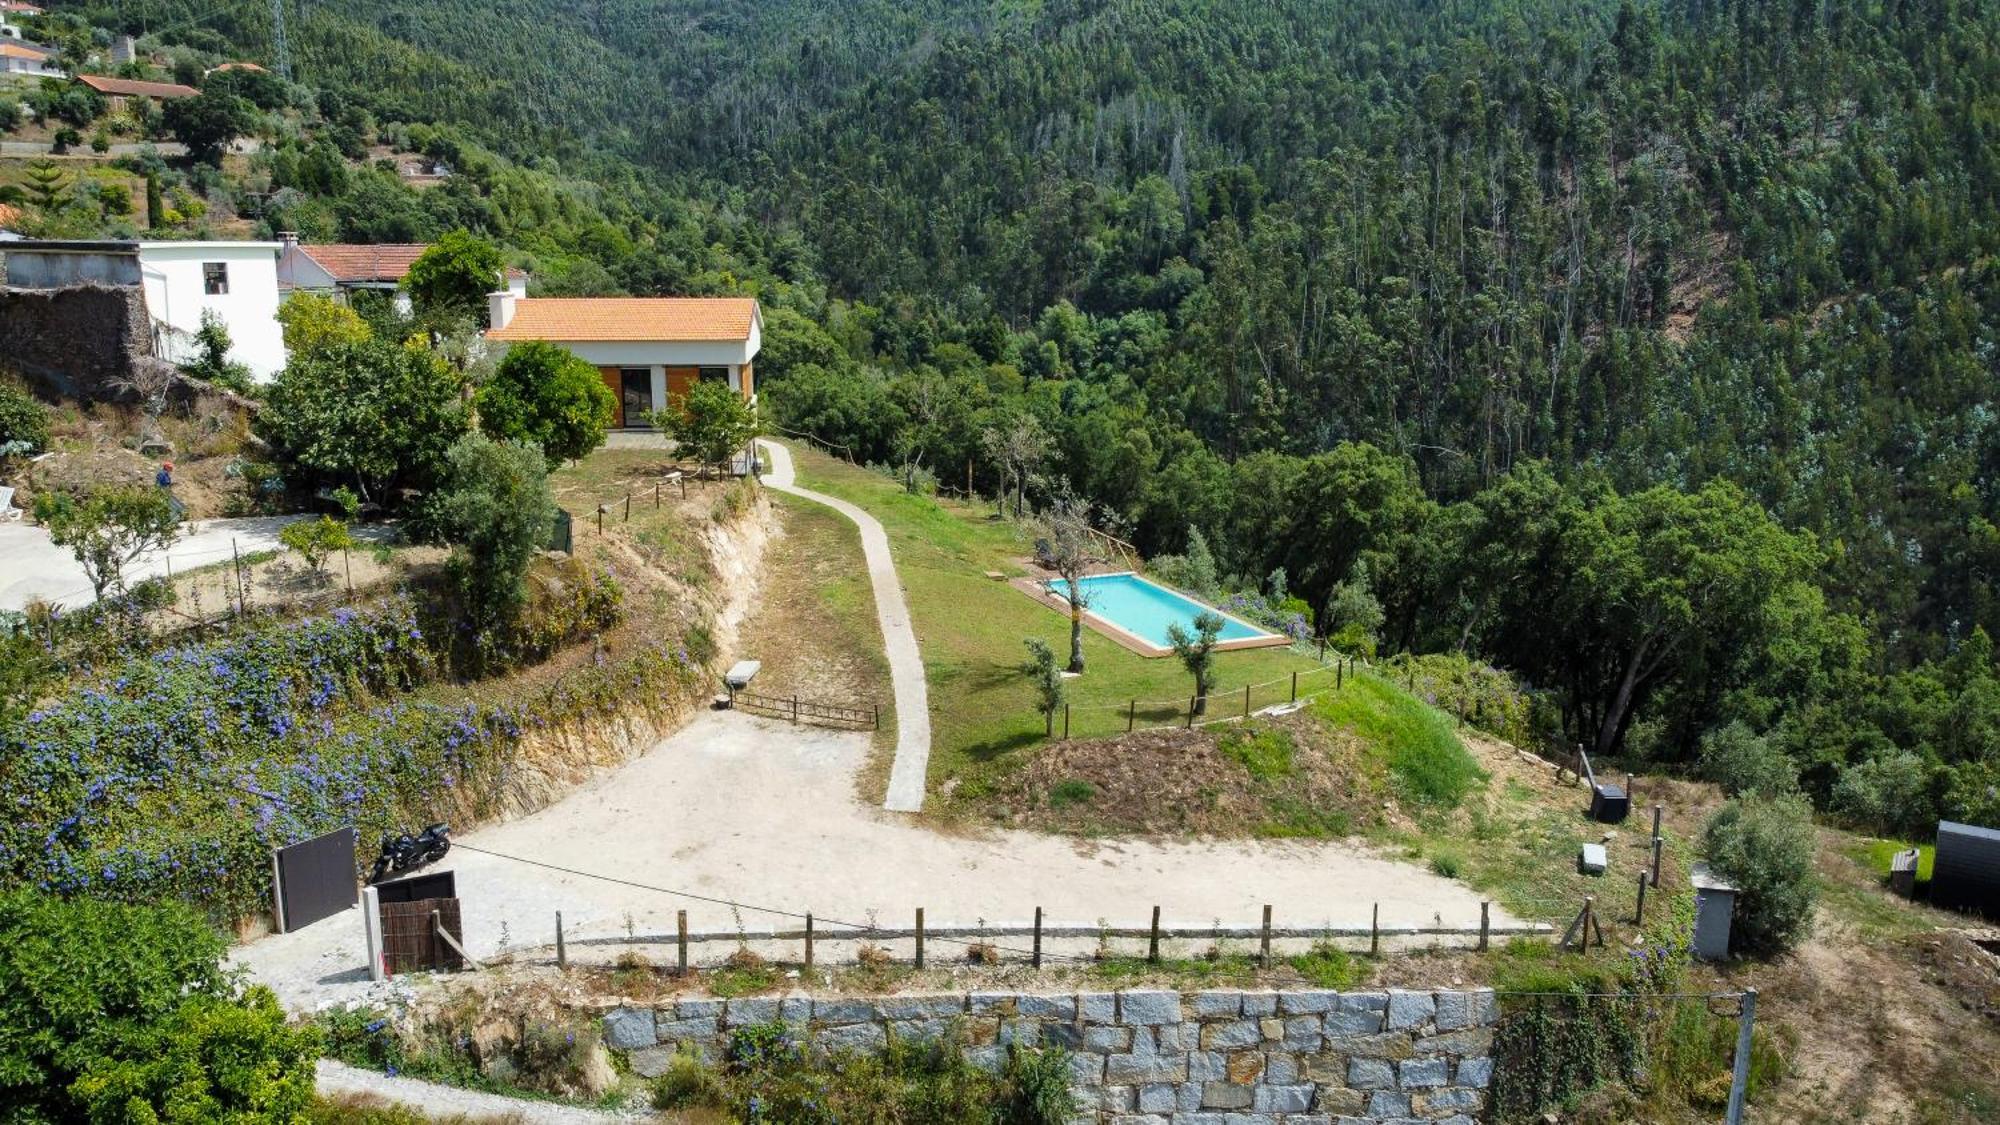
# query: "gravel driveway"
738, 807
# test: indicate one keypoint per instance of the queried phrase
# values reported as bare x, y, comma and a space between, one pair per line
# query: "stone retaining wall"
1155, 1057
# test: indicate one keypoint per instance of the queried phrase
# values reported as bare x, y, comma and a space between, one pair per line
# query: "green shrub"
1744, 764
1891, 792
1039, 1091
496, 509
1489, 698
24, 421
315, 539
112, 1012
1071, 791
1765, 847
689, 1083
554, 1057
1447, 864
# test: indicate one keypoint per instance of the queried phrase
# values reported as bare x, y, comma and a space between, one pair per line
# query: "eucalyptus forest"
1645, 349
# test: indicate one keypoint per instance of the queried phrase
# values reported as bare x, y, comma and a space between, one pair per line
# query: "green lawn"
971, 629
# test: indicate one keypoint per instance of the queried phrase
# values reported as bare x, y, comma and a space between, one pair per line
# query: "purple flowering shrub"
172, 775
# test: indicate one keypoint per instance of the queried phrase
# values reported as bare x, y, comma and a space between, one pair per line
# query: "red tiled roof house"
120, 91
339, 269
650, 350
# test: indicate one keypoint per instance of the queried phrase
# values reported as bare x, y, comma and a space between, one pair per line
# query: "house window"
715, 375
215, 278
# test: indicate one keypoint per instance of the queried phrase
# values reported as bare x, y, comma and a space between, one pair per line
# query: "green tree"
1765, 847
544, 395
496, 510
1196, 651
212, 1059
450, 280
372, 414
316, 539
208, 122
48, 187
312, 321
710, 423
108, 529
24, 421
1746, 765
1047, 678
211, 361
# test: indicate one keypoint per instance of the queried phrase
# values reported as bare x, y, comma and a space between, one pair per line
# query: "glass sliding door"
637, 400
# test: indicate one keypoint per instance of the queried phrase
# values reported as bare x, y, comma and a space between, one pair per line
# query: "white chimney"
500, 307
517, 284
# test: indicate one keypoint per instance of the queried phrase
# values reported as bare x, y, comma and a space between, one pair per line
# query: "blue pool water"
1145, 609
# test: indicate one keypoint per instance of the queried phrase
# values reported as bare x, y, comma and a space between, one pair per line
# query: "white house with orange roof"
651, 350
340, 269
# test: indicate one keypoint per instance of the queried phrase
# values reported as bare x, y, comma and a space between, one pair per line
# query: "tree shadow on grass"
992, 748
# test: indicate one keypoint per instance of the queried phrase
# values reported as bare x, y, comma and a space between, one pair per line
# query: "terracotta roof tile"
14, 51
353, 261
629, 318
132, 86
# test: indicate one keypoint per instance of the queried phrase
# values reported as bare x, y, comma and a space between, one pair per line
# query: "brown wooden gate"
410, 942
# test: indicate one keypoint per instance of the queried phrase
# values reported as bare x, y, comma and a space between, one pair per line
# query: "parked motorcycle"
405, 853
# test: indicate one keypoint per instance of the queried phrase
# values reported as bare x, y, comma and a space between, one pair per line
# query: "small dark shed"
1966, 872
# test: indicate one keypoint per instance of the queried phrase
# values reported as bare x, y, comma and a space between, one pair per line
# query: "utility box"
1609, 804
1714, 908
1592, 860
1965, 872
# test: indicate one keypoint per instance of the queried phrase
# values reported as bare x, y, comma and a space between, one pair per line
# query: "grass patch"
1876, 855
1071, 792
1447, 864
1265, 752
971, 629
1411, 740
1326, 965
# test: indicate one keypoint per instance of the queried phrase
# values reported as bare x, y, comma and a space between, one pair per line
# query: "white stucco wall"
172, 275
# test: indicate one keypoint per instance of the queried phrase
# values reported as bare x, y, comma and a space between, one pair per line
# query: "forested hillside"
1645, 348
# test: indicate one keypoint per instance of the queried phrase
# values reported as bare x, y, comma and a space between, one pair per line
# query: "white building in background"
237, 281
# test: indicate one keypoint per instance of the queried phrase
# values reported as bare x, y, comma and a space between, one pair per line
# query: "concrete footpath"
337, 1079
899, 637
32, 567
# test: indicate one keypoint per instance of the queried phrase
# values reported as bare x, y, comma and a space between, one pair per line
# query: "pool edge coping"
1034, 588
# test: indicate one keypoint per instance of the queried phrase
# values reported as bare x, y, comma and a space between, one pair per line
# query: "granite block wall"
1154, 1057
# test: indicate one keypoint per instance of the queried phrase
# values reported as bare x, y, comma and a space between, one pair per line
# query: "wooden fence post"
1658, 844
1190, 722
628, 506
1037, 955
795, 707
681, 924
684, 485
1264, 947
1485, 924
1131, 715
1375, 931
920, 937
600, 519
347, 564
1246, 701
1153, 940
809, 941
1339, 674
1639, 913
877, 707
562, 955
1295, 687
1065, 722
1322, 648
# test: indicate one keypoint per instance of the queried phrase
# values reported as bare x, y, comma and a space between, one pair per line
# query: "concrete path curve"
337, 1079
32, 567
899, 637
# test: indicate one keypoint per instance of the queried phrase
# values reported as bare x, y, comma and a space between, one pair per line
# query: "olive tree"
1196, 650
1065, 544
495, 509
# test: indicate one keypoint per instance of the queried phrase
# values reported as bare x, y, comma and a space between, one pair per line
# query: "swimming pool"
1142, 611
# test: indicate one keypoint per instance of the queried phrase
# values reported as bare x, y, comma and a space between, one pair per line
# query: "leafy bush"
1744, 764
112, 1012
545, 396
710, 423
1765, 847
496, 509
1890, 792
1489, 698
108, 529
689, 1083
24, 421
314, 540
